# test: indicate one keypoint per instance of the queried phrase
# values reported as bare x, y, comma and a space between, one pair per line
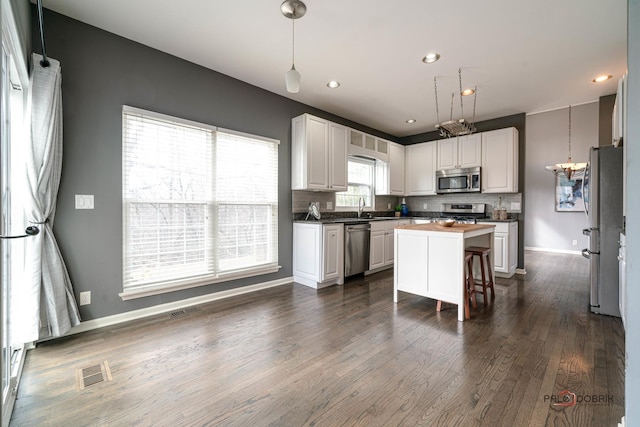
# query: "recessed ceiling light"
410, 121
468, 92
431, 58
333, 84
602, 78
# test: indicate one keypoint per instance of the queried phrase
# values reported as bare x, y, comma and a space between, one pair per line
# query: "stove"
463, 213
463, 220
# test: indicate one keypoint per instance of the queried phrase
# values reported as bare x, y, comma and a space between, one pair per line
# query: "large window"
200, 204
360, 184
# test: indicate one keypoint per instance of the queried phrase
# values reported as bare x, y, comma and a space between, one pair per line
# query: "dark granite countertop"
498, 220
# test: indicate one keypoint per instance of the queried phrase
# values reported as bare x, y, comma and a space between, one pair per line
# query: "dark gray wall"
101, 72
519, 122
632, 339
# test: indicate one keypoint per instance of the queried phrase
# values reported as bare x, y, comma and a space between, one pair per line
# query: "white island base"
429, 259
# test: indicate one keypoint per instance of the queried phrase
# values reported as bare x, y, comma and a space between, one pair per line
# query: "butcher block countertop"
455, 228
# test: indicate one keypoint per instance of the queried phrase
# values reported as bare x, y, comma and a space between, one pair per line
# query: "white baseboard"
557, 251
171, 306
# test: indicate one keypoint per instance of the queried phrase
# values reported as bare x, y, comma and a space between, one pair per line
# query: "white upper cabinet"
447, 154
382, 146
469, 151
396, 169
500, 161
318, 154
420, 169
461, 152
390, 175
362, 144
338, 137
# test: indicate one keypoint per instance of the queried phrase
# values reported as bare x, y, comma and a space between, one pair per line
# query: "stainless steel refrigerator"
602, 190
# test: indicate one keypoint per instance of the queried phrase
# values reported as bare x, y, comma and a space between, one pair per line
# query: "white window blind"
199, 204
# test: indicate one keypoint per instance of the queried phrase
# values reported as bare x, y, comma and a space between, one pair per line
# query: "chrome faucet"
361, 204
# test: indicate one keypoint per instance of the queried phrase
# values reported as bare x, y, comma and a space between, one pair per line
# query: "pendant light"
293, 9
569, 168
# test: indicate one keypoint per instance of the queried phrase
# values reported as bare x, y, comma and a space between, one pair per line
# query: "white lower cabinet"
376, 250
318, 254
381, 242
388, 246
505, 248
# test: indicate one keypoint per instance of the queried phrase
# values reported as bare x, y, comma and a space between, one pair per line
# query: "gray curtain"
48, 287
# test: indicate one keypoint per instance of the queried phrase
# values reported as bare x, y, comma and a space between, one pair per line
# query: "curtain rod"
45, 61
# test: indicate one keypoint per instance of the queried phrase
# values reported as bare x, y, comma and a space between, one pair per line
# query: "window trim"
157, 289
368, 208
161, 287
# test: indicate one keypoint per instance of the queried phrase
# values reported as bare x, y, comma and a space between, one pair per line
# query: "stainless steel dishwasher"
356, 248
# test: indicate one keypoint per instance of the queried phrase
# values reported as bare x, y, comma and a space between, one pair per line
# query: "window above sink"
361, 181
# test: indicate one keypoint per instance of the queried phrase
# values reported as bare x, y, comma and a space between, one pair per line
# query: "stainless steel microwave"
465, 180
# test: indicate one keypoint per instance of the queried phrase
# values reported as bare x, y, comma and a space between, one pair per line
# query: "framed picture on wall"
569, 197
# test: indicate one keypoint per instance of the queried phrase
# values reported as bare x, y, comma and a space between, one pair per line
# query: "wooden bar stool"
485, 270
468, 286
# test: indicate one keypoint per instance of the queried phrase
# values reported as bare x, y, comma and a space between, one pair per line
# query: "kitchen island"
429, 259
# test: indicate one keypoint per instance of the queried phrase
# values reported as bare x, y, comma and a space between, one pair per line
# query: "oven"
466, 180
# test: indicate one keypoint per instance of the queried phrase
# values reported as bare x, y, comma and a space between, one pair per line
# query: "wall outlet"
515, 206
85, 298
424, 206
574, 243
329, 205
388, 205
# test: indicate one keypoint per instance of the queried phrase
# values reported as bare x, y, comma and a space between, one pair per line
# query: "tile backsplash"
511, 201
300, 201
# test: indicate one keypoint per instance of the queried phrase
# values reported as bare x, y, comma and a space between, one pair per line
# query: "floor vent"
92, 375
183, 312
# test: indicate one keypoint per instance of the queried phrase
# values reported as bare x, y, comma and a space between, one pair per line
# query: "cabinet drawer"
390, 225
378, 226
502, 227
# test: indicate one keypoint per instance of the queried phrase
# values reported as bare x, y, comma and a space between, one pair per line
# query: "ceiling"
526, 57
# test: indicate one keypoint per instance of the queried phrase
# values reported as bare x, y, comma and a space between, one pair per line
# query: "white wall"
548, 144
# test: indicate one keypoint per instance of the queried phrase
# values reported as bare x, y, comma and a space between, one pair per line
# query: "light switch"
424, 206
515, 206
84, 201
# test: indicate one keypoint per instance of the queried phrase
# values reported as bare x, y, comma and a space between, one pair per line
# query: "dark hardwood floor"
345, 356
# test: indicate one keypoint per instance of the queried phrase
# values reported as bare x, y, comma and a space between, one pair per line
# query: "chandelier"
569, 168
